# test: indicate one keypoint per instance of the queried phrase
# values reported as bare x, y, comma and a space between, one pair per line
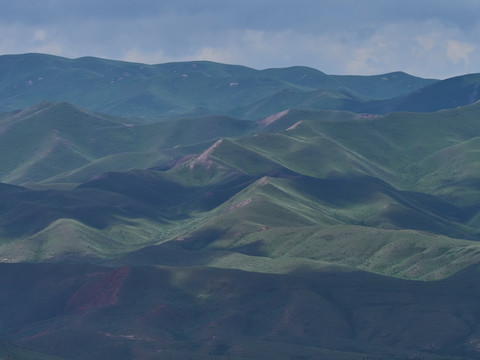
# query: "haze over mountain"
236, 213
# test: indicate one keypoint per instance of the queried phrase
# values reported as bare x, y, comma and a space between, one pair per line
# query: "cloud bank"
428, 38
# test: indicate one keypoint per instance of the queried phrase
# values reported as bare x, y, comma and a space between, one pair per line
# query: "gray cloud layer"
429, 38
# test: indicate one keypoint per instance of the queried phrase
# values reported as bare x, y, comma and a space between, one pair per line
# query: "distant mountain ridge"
179, 89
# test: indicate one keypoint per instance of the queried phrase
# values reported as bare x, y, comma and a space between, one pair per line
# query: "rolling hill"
177, 89
71, 144
207, 211
270, 196
445, 94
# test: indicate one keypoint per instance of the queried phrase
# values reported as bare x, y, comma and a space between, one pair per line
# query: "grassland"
293, 190
232, 213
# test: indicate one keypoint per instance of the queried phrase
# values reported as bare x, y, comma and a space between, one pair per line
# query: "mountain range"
208, 211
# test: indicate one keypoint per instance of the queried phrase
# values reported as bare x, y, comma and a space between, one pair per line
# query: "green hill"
64, 143
424, 152
310, 172
445, 94
231, 202
384, 86
207, 211
176, 89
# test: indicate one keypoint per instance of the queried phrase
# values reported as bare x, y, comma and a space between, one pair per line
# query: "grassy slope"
315, 172
63, 143
46, 139
271, 211
425, 152
275, 225
388, 208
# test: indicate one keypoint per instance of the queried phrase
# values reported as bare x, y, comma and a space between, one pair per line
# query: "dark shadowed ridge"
445, 94
131, 311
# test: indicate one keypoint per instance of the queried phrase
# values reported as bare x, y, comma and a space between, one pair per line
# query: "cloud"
431, 38
437, 52
40, 35
459, 51
151, 57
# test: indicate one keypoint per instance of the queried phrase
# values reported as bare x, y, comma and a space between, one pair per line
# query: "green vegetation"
265, 201
62, 143
207, 211
265, 194
384, 86
152, 92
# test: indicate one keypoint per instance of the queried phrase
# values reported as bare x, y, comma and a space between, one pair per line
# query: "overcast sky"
427, 38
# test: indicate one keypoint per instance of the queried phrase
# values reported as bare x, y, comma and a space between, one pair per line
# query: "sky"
427, 38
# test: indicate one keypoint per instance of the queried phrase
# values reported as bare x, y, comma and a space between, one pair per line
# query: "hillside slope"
201, 313
445, 94
65, 143
293, 176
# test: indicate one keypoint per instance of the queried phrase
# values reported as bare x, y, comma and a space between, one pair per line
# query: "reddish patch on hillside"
181, 160
203, 158
239, 204
273, 118
295, 125
100, 293
263, 181
290, 323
